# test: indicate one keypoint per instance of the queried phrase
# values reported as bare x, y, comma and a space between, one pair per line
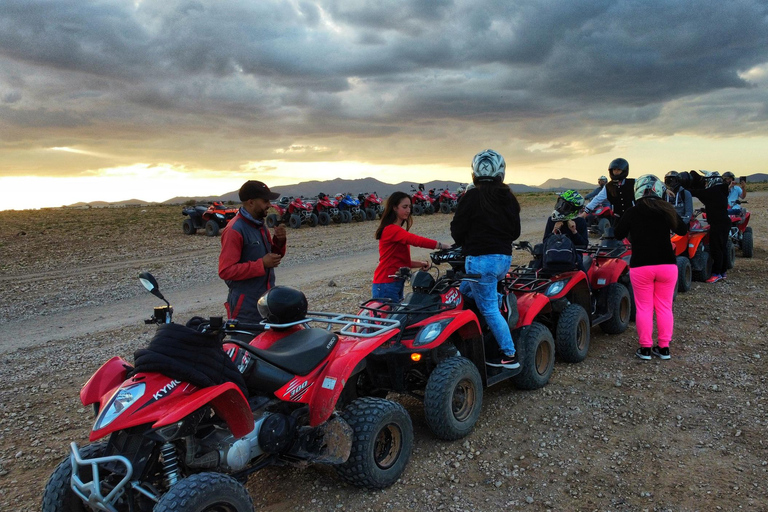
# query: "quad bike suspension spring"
170, 464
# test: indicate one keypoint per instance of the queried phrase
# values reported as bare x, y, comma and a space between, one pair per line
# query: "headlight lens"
430, 332
120, 401
220, 215
555, 288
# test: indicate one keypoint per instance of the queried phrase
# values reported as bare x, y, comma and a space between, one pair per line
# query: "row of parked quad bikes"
319, 391
322, 210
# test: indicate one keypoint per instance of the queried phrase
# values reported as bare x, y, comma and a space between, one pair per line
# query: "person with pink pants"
652, 268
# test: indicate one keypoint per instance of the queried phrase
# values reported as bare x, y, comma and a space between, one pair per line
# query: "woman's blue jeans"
493, 268
392, 291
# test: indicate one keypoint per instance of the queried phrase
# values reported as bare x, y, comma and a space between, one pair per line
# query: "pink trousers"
654, 287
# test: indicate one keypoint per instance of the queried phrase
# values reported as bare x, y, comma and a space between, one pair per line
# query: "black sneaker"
661, 352
644, 353
508, 362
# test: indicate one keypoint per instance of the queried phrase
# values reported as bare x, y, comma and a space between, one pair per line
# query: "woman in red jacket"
395, 247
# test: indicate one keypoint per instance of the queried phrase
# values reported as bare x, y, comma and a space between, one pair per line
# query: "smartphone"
743, 179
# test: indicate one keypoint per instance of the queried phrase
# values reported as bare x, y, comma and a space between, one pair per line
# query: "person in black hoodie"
486, 223
652, 267
712, 191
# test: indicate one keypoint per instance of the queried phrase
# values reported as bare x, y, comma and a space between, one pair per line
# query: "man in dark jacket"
249, 254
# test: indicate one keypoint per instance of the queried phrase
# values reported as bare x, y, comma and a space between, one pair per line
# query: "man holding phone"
735, 192
249, 253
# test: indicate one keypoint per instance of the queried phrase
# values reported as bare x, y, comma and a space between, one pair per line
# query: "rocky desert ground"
612, 433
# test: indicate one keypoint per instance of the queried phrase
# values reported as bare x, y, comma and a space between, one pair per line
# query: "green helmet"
648, 185
567, 206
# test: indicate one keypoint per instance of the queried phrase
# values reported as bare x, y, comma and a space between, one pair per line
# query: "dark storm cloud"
391, 72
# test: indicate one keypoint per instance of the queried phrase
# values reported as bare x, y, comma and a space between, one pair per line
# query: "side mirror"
150, 283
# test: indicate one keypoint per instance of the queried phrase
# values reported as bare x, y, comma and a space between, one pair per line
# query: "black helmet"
621, 164
729, 174
282, 305
672, 180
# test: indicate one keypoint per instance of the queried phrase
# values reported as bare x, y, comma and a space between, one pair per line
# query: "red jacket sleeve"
404, 237
230, 268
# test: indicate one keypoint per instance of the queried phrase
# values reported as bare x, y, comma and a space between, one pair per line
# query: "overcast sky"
234, 86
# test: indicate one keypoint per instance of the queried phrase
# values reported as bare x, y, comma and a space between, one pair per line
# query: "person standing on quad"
735, 193
486, 223
619, 191
565, 219
249, 253
652, 268
712, 191
394, 247
680, 198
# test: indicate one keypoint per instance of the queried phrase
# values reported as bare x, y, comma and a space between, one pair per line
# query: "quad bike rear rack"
353, 325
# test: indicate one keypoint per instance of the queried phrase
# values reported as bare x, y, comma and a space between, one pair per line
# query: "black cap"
252, 189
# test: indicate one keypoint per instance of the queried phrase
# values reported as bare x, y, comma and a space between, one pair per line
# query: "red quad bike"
439, 354
570, 303
600, 219
740, 235
327, 210
163, 444
293, 211
445, 201
694, 263
212, 218
371, 204
422, 203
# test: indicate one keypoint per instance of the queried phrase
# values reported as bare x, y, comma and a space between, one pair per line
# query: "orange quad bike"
212, 218
694, 261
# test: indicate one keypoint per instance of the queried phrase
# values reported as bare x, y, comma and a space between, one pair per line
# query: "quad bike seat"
300, 353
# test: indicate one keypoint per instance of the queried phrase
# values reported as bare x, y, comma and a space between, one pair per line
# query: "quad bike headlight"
430, 332
554, 288
120, 401
220, 216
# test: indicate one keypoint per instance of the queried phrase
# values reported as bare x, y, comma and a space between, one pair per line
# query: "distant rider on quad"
601, 182
735, 193
680, 198
486, 223
620, 191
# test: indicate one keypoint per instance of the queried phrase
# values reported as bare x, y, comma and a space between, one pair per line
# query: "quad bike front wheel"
370, 213
346, 217
536, 354
702, 264
416, 209
445, 208
730, 255
294, 221
313, 220
58, 495
684, 274
188, 227
573, 331
323, 218
211, 228
206, 492
382, 442
619, 306
453, 398
602, 225
747, 243
272, 220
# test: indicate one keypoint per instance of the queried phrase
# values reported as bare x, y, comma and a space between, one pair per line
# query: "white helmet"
648, 185
488, 165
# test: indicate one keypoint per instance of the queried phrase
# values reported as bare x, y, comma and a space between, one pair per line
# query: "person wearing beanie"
249, 253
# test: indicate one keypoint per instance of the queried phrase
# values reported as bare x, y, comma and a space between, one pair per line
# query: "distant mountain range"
331, 187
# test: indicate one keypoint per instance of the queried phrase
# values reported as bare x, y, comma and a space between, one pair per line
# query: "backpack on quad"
212, 218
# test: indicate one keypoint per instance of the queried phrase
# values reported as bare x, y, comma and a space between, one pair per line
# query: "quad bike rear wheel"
211, 228
730, 255
453, 398
188, 227
684, 274
573, 331
382, 442
294, 221
747, 243
206, 492
702, 265
536, 354
58, 495
323, 218
618, 305
272, 220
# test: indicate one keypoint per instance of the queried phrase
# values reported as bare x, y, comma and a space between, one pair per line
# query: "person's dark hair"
659, 206
492, 194
390, 216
